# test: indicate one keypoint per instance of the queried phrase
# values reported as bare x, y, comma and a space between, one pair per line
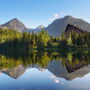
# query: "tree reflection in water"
61, 64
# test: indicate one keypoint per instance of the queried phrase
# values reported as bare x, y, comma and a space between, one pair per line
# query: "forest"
29, 48
42, 59
11, 40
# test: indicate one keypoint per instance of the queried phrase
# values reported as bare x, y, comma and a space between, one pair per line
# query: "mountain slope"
38, 29
59, 25
14, 24
15, 72
59, 70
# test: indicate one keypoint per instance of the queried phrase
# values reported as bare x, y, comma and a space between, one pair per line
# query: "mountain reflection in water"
67, 65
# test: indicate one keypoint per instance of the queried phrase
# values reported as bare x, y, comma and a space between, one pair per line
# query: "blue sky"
42, 12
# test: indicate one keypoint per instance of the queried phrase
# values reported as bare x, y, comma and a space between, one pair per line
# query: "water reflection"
67, 65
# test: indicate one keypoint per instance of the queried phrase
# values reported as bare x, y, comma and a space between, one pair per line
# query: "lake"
45, 70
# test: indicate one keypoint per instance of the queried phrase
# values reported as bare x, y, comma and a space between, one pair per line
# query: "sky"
43, 12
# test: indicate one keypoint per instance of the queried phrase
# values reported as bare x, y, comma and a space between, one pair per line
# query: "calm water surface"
46, 71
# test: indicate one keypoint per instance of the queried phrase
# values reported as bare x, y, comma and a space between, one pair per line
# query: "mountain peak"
15, 19
15, 24
68, 16
59, 25
41, 27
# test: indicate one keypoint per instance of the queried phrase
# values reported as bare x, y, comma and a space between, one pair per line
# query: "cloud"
55, 79
55, 16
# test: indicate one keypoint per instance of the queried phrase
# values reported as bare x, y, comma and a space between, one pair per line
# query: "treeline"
75, 39
16, 41
42, 59
13, 40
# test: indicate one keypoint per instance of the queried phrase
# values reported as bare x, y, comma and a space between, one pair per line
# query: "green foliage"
69, 41
44, 37
42, 59
77, 39
14, 40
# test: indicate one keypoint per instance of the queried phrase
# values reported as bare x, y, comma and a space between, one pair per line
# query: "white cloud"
55, 79
55, 16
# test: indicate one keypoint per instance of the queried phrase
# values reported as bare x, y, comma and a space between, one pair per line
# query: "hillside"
14, 24
59, 25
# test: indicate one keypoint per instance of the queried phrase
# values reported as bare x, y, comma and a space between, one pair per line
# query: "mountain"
71, 73
38, 29
74, 30
15, 72
14, 24
41, 27
54, 29
59, 25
